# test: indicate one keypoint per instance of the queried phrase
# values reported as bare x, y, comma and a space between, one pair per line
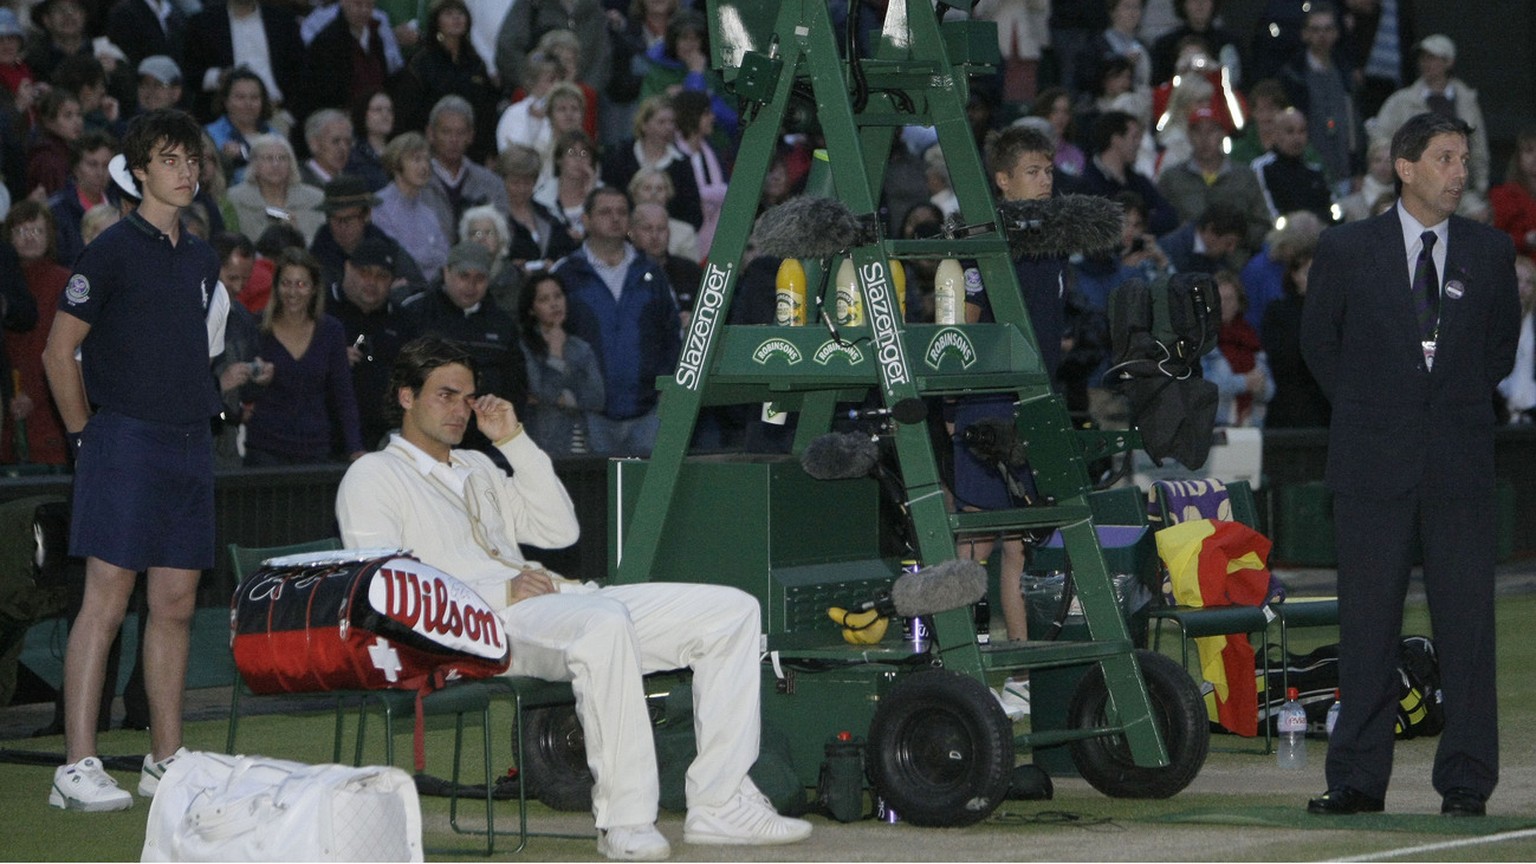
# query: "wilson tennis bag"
361, 620
364, 619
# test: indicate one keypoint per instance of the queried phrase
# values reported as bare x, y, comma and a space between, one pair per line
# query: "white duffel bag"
212, 807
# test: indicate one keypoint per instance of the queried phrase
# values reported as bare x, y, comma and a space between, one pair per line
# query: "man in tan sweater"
460, 513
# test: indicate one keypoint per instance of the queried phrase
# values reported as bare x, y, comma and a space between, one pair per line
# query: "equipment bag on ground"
1316, 678
213, 807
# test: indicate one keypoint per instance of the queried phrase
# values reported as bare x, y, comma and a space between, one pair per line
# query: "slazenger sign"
882, 321
707, 308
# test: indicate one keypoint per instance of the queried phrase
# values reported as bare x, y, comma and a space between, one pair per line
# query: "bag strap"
424, 685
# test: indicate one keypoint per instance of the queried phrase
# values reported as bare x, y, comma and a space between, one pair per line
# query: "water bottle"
1292, 723
850, 300
1333, 713
949, 293
983, 621
789, 294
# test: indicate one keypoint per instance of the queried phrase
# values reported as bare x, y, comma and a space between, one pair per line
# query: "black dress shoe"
1462, 801
1345, 801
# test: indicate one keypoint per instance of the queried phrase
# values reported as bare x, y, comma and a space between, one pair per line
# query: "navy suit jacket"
210, 46
133, 27
1397, 424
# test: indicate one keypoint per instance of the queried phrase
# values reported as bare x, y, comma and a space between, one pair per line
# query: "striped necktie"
1426, 288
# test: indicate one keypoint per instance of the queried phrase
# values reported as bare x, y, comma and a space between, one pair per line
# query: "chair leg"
340, 726
234, 717
490, 780
389, 735
522, 775
1269, 744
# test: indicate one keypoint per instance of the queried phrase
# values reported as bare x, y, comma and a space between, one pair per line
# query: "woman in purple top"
292, 418
402, 214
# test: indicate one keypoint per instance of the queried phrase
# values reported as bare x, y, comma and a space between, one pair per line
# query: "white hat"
161, 68
1439, 45
124, 179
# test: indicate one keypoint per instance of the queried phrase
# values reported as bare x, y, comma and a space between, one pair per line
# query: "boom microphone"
812, 227
931, 590
840, 456
1062, 226
906, 411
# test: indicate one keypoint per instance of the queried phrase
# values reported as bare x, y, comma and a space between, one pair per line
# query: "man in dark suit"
1409, 360
347, 60
144, 28
211, 50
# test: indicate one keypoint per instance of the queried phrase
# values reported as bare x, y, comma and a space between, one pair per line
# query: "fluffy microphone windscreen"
840, 456
1058, 227
810, 227
940, 588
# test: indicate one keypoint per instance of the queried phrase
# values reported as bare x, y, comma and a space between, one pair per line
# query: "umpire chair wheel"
941, 749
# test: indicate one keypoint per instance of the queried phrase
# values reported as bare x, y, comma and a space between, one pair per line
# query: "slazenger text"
882, 319
701, 331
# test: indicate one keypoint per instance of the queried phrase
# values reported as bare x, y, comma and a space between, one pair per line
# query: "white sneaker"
748, 819
87, 786
1014, 699
633, 843
150, 774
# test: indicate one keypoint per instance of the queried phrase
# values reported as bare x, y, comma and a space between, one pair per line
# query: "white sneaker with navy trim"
86, 786
150, 774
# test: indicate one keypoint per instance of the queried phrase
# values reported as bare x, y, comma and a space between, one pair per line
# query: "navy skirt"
143, 494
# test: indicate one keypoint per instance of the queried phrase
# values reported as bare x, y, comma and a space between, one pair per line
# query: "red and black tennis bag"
361, 620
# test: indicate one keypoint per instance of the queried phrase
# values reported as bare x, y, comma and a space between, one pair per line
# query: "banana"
859, 628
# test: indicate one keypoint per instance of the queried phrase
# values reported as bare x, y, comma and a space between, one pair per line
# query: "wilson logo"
445, 610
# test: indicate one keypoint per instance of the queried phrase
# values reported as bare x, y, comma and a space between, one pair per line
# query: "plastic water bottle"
949, 293
983, 615
1333, 713
1292, 723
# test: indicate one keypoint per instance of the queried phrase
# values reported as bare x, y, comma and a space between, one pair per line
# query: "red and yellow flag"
1217, 563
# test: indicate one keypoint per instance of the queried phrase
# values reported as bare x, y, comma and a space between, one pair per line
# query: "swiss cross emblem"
385, 659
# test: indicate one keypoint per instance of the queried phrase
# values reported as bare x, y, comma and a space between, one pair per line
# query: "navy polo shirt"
146, 355
1043, 282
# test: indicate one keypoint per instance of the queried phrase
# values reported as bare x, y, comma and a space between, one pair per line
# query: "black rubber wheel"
1105, 762
941, 749
555, 759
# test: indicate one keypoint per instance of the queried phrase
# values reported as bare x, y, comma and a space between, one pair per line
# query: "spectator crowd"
541, 180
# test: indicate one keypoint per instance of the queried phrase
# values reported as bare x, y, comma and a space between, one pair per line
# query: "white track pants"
604, 640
